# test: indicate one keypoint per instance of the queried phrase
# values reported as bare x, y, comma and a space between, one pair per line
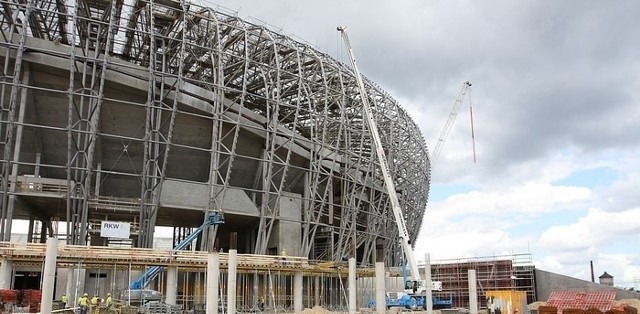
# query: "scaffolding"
260, 278
513, 272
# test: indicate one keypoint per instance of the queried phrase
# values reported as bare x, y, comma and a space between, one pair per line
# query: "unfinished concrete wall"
547, 282
287, 231
190, 195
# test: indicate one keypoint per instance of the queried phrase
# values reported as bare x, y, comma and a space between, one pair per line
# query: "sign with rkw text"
115, 229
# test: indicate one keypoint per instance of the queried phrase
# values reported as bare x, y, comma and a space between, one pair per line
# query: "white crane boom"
452, 117
382, 159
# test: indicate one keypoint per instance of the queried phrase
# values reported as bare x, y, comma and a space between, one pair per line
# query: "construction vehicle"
137, 292
415, 294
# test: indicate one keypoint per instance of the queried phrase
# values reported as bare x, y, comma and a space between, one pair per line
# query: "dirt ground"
393, 310
533, 306
630, 302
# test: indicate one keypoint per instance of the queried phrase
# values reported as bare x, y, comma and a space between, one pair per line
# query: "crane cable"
473, 133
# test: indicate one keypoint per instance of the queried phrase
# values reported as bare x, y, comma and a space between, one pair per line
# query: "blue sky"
556, 98
598, 177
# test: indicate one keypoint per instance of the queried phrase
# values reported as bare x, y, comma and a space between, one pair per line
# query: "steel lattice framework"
106, 104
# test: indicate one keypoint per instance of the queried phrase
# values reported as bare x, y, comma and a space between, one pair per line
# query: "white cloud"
553, 222
528, 198
597, 229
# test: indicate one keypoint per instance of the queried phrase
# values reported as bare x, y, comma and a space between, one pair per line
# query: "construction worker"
109, 300
95, 300
83, 303
65, 299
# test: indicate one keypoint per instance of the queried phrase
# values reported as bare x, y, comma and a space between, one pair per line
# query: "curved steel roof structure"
153, 112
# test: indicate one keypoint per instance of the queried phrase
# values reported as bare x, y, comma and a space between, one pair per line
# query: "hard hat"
86, 294
108, 294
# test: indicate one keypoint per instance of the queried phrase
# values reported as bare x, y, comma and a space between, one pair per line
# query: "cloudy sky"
556, 100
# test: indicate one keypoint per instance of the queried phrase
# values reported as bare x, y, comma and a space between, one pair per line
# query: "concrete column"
231, 286
381, 306
36, 169
6, 273
297, 292
80, 277
98, 179
49, 276
352, 286
71, 287
427, 278
172, 285
316, 291
213, 282
473, 292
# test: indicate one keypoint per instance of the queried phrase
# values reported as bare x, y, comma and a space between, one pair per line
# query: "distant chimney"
593, 277
606, 279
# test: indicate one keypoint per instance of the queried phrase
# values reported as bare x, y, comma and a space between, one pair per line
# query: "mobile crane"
137, 287
415, 287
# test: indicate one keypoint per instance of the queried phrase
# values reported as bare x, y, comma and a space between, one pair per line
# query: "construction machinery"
137, 287
416, 289
466, 86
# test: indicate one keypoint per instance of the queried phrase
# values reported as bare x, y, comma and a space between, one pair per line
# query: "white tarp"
115, 229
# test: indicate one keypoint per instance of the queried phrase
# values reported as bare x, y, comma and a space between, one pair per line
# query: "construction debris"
634, 303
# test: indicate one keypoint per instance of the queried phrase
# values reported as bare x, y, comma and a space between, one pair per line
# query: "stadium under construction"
134, 115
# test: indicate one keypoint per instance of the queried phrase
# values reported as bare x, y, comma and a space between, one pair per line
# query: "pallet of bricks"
29, 299
8, 299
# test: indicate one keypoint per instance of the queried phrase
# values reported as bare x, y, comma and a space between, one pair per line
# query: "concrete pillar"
6, 273
297, 292
427, 279
98, 179
231, 286
71, 287
381, 306
172, 285
49, 276
473, 292
80, 276
213, 282
316, 291
352, 286
36, 169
